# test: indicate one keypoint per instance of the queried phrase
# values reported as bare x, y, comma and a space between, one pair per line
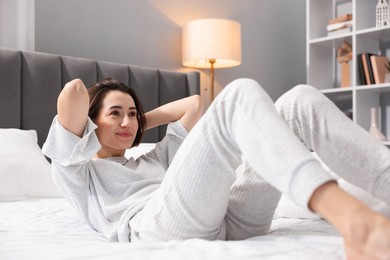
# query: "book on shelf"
372, 68
340, 31
361, 70
338, 26
342, 18
378, 64
368, 74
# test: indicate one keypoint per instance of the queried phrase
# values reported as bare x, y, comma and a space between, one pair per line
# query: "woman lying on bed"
188, 186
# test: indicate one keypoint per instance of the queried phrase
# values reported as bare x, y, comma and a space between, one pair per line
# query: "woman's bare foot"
367, 236
366, 233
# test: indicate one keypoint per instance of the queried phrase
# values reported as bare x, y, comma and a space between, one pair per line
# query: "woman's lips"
124, 135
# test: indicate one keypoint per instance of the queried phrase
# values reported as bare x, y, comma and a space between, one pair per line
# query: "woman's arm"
72, 107
188, 110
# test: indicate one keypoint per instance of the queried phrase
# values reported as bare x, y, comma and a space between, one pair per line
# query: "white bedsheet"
50, 229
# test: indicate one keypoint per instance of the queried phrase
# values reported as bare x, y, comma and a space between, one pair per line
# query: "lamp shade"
206, 39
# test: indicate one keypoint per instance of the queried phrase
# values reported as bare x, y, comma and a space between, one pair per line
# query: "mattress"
50, 229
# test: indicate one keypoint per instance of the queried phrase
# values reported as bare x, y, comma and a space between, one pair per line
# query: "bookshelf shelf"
323, 70
332, 38
336, 90
379, 34
380, 88
329, 41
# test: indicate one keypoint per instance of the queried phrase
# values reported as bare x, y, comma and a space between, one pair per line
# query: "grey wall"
148, 33
17, 24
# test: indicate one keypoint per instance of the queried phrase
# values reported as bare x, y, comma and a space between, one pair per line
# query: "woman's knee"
301, 90
243, 89
300, 94
242, 82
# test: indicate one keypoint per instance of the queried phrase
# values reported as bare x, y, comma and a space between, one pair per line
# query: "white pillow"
24, 170
139, 150
288, 209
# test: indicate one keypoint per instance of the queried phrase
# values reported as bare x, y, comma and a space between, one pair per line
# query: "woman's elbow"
197, 106
194, 111
72, 106
74, 87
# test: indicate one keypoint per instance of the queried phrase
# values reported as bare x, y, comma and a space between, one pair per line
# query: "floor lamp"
211, 43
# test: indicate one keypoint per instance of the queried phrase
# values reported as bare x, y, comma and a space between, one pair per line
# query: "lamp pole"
211, 61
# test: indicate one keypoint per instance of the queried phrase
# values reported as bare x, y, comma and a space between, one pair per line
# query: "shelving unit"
323, 70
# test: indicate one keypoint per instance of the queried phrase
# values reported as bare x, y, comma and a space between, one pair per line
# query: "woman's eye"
133, 113
114, 113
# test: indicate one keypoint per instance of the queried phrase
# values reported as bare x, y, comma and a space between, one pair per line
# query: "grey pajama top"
107, 193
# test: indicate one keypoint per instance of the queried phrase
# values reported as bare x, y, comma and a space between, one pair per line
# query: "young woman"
189, 185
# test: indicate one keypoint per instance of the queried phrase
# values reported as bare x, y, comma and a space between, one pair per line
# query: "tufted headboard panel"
30, 83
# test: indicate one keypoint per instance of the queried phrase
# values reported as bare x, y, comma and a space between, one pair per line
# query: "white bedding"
50, 229
37, 223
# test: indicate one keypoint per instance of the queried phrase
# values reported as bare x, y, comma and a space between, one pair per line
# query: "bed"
36, 222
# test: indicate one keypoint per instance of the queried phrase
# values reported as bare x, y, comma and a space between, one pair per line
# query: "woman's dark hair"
98, 91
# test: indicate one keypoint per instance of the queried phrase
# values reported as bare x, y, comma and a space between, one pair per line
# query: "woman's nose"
126, 122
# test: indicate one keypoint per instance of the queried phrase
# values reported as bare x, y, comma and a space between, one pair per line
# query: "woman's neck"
103, 153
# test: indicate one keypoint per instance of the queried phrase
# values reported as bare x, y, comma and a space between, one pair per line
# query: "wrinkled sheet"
50, 229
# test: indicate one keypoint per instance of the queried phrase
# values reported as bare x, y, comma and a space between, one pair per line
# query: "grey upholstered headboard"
30, 83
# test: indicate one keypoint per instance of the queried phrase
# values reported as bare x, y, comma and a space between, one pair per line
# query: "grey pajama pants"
204, 195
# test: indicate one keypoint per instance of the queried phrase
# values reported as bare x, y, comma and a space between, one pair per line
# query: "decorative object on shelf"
338, 25
374, 129
211, 43
382, 13
344, 56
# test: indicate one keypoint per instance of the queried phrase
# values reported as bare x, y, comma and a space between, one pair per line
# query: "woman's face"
117, 124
